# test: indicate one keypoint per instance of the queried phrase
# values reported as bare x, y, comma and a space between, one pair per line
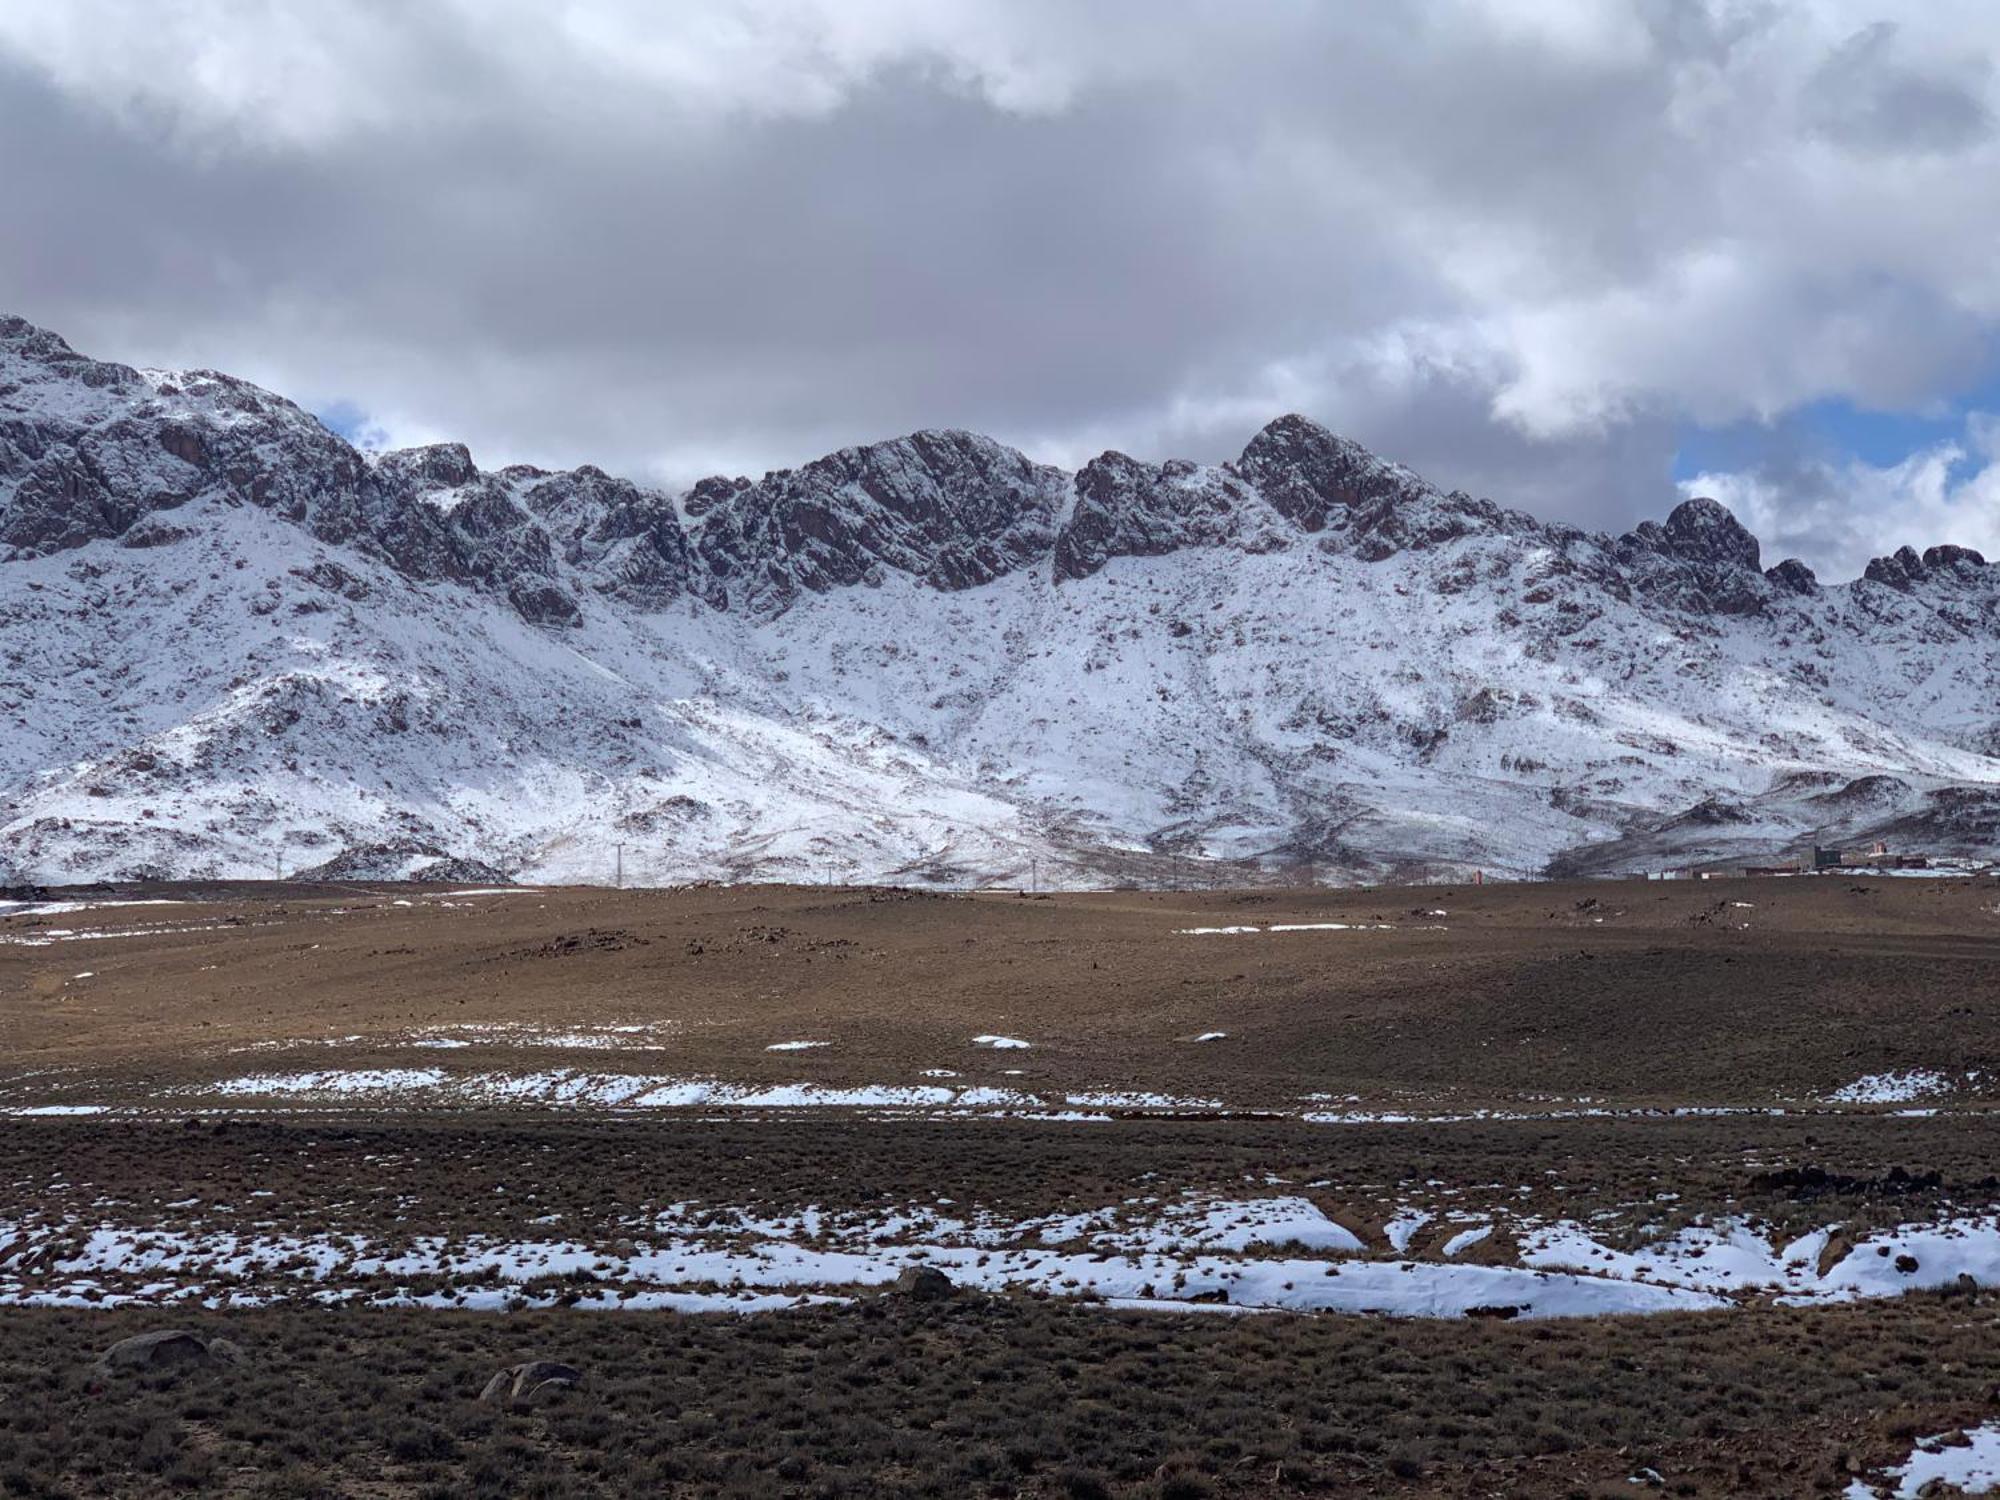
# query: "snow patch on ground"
745, 1258
574, 1088
1893, 1087
1282, 1252
344, 1082
56, 1109
1967, 1462
1144, 1101
1295, 927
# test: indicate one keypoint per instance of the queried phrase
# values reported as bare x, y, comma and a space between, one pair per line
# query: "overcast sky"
1578, 255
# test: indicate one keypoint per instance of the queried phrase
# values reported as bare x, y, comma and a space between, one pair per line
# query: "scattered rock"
611, 940
519, 1387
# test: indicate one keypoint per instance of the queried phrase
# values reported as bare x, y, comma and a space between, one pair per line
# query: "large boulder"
519, 1387
166, 1349
924, 1284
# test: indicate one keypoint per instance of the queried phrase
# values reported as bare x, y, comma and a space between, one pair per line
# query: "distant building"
1875, 857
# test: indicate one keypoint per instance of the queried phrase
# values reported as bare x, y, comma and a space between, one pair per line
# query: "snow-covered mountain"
231, 641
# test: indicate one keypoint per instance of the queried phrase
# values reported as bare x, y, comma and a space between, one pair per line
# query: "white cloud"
1519, 242
1839, 514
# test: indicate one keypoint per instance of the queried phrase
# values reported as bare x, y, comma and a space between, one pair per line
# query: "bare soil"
1749, 992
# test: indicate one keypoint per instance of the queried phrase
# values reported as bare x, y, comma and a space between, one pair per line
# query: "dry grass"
1634, 993
995, 1397
496, 1176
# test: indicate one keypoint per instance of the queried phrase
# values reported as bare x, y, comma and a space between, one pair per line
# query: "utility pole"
618, 880
1034, 875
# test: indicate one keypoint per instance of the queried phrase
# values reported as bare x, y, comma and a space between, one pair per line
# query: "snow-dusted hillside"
231, 641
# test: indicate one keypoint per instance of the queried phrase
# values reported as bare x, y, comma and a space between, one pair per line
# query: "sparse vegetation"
995, 1397
1555, 1002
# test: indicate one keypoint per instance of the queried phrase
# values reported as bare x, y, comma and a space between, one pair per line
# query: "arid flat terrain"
1531, 1189
1676, 993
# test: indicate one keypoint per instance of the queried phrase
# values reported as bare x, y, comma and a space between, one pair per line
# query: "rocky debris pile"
405, 859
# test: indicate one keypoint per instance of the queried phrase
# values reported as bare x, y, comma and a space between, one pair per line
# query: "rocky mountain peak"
1701, 560
31, 358
1705, 531
445, 466
951, 508
1905, 568
1303, 654
1314, 478
1794, 577
1126, 508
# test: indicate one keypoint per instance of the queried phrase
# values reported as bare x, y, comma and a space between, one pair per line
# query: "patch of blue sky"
1837, 431
349, 420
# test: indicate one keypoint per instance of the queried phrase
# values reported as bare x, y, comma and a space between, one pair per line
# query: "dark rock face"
1794, 577
1125, 508
1701, 560
1945, 555
1312, 478
89, 449
440, 466
1898, 570
628, 540
1904, 569
92, 451
132, 447
1703, 531
950, 508
1321, 482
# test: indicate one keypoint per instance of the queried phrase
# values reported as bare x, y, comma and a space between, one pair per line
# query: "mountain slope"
232, 642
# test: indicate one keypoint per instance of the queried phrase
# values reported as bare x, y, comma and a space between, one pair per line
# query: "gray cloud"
1516, 243
1865, 96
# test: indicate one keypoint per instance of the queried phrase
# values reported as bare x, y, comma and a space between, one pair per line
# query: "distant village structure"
1826, 860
